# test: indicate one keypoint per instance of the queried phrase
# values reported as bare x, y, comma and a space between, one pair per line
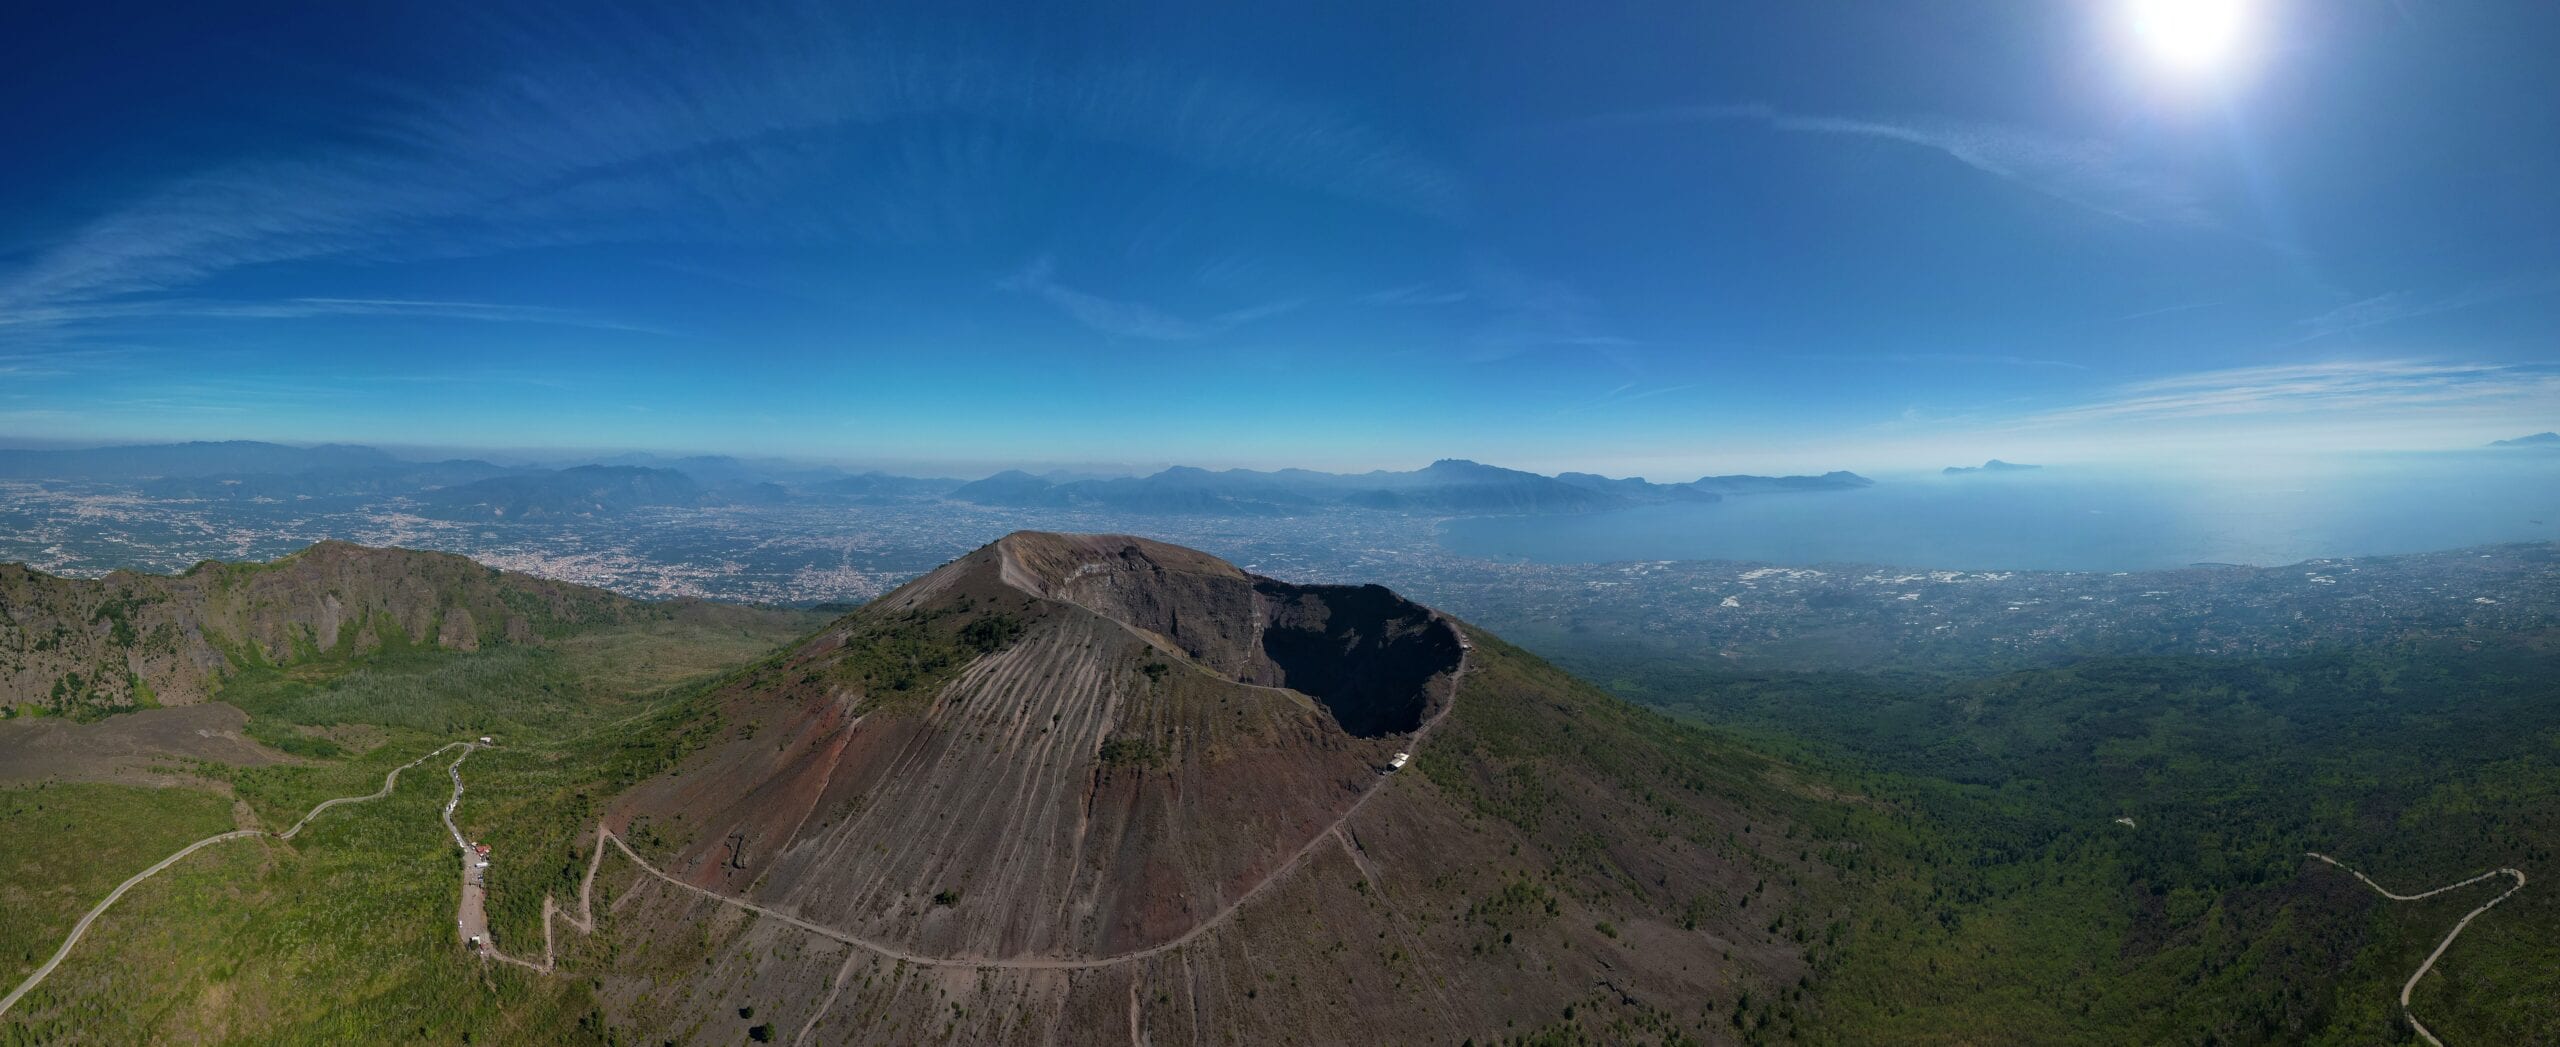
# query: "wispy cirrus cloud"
309, 308
1970, 359
1416, 295
2374, 388
677, 129
1525, 313
1130, 319
2086, 173
2391, 308
2164, 310
1625, 393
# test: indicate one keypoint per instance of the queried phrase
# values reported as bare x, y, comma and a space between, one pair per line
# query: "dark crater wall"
1366, 653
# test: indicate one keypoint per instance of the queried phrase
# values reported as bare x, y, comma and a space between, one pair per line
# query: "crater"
1367, 654
1364, 653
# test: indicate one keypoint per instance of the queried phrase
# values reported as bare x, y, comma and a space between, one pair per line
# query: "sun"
2191, 37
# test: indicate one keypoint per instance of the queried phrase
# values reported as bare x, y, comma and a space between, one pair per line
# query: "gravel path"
2449, 936
78, 930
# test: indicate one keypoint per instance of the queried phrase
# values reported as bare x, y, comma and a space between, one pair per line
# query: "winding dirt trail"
2412, 984
471, 918
81, 929
584, 918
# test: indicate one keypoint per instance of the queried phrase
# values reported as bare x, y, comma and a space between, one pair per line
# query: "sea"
2075, 519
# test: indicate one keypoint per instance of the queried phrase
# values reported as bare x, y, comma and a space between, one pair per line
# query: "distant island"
1993, 466
2535, 440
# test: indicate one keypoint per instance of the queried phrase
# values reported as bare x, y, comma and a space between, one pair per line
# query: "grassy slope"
345, 934
1558, 760
342, 936
71, 844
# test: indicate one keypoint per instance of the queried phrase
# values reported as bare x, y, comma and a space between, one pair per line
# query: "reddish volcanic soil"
1097, 789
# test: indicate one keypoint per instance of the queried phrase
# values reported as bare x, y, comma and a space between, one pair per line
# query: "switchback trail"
2449, 936
389, 781
584, 920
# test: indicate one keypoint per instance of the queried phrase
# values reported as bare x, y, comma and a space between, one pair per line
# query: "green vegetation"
989, 633
71, 844
432, 692
536, 804
579, 720
2008, 904
1130, 752
1948, 853
346, 933
895, 658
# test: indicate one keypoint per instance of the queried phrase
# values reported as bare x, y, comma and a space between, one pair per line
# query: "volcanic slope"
1102, 789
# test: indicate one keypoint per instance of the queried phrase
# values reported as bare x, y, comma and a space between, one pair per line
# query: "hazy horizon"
1904, 466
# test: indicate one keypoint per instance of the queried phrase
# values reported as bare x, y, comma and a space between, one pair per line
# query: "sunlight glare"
2193, 37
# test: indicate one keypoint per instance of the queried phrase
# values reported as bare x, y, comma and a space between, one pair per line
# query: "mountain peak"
1054, 565
1463, 468
1064, 765
1112, 674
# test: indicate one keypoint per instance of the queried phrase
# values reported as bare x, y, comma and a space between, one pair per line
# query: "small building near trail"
480, 849
1397, 762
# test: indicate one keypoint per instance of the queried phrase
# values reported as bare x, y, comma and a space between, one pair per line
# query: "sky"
1653, 238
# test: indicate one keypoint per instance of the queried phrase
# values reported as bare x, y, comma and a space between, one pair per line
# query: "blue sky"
1650, 238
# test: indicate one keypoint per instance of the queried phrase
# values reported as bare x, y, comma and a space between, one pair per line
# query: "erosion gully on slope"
584, 919
471, 918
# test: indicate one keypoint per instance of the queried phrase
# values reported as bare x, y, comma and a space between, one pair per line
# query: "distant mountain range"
372, 481
471, 489
2535, 440
1447, 486
147, 461
586, 490
881, 487
1993, 466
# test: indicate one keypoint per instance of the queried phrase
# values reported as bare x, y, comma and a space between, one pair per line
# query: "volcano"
1081, 788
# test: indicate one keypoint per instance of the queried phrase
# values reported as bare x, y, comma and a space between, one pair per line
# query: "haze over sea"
2076, 519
